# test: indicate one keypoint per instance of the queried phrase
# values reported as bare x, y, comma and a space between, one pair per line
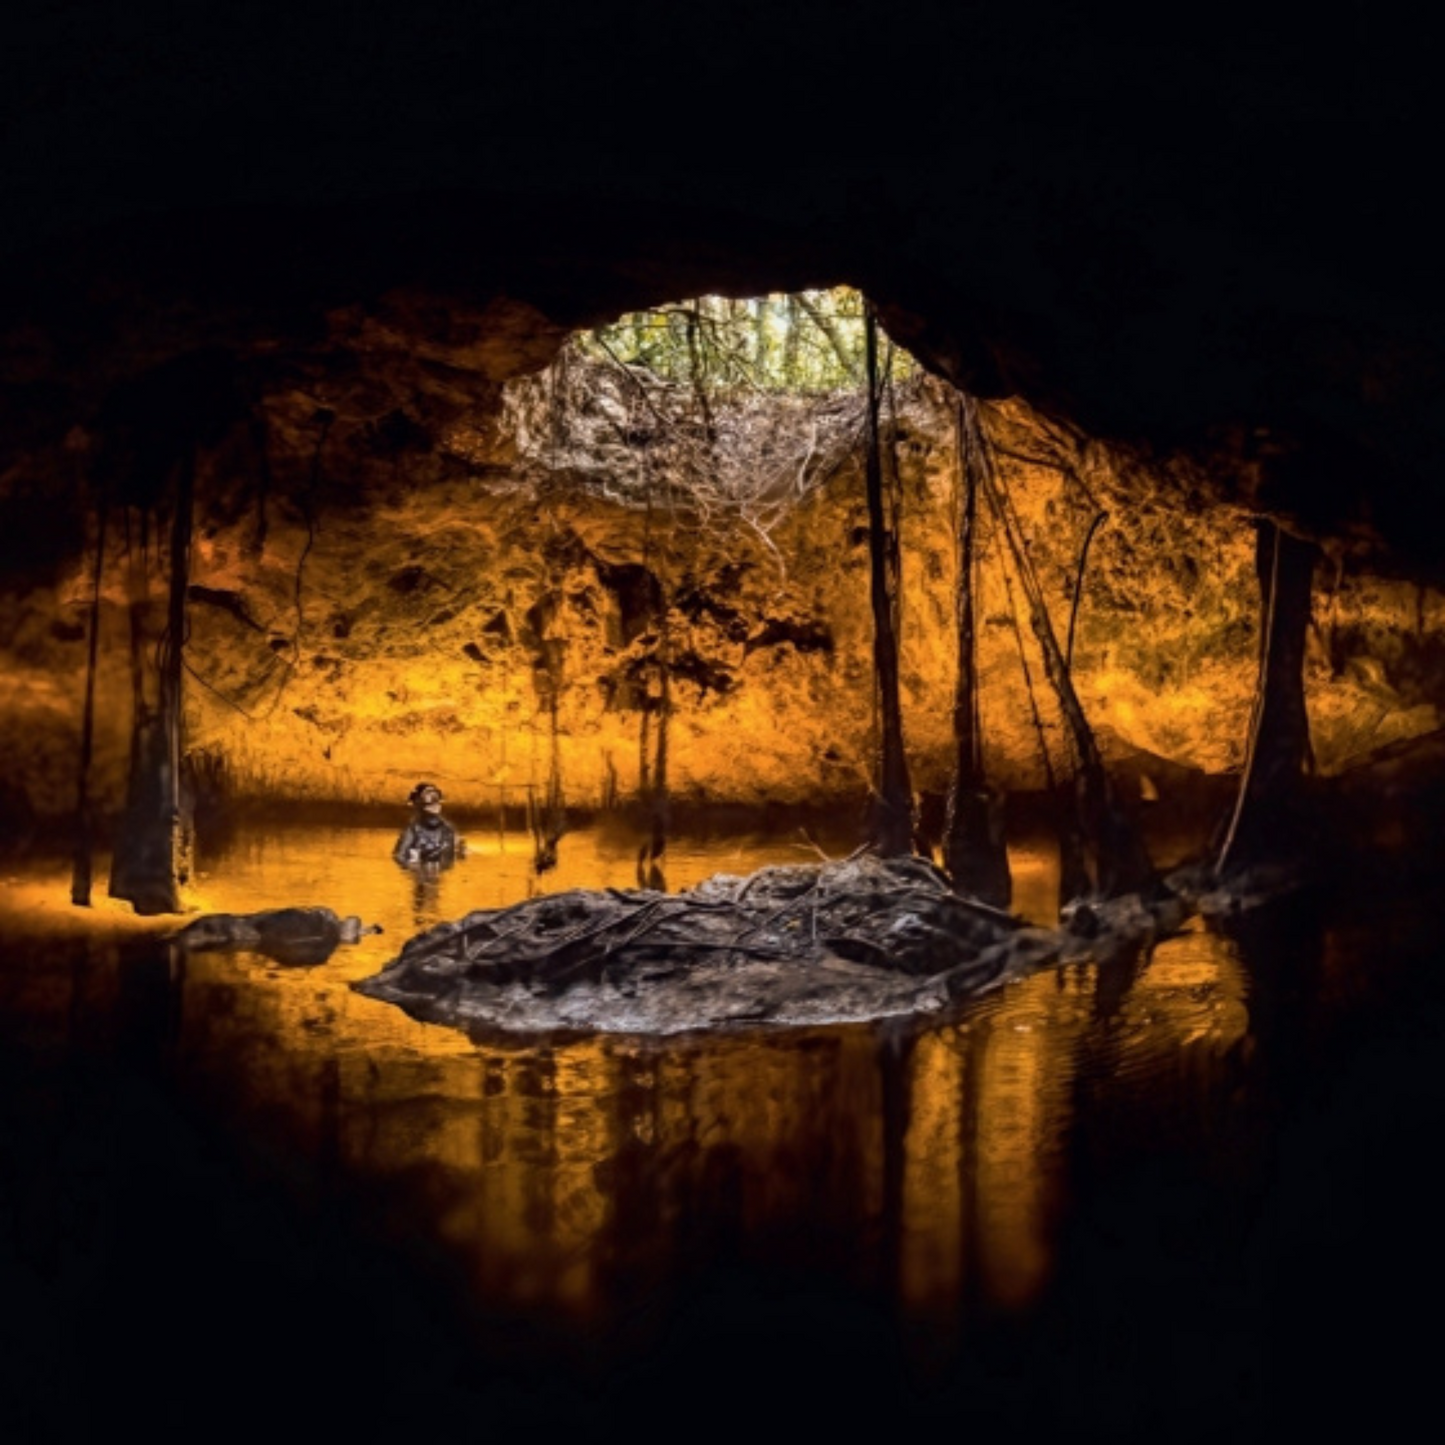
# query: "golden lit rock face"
417, 583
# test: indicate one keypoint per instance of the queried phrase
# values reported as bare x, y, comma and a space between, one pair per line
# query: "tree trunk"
178, 811
1121, 863
82, 865
826, 325
1269, 810
548, 820
891, 831
974, 855
153, 847
652, 854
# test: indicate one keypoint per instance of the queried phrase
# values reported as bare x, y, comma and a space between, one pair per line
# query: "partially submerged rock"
860, 938
296, 936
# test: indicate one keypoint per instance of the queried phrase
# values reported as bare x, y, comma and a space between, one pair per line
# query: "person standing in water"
428, 838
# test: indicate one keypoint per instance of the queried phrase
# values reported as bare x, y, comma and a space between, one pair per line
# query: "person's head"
426, 798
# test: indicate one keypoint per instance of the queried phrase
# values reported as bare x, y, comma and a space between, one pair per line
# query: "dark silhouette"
428, 838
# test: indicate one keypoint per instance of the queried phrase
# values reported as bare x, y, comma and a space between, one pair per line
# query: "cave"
1051, 519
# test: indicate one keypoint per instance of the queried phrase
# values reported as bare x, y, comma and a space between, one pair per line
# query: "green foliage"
807, 342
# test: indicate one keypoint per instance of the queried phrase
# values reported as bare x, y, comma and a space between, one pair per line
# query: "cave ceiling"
1202, 246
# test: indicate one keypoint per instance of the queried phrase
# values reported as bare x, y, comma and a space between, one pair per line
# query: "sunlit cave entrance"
730, 586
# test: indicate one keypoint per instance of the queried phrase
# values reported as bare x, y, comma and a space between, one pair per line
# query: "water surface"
1142, 1200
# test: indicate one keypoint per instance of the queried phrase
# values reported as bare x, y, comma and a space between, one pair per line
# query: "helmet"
423, 794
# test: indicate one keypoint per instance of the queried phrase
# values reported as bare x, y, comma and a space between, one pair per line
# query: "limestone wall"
409, 597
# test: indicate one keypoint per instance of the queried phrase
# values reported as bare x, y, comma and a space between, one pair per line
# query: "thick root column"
1270, 811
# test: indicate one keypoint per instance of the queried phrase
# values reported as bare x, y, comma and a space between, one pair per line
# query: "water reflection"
593, 1191
426, 894
551, 1167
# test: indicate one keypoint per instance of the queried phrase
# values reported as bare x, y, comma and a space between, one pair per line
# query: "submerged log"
860, 938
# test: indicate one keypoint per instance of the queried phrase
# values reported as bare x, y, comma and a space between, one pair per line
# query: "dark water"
1187, 1197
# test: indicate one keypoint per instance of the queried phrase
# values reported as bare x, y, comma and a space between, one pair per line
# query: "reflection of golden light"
1191, 998
751, 1105
540, 1132
518, 1160
1034, 870
931, 1251
559, 1176
1015, 1120
35, 899
989, 1104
